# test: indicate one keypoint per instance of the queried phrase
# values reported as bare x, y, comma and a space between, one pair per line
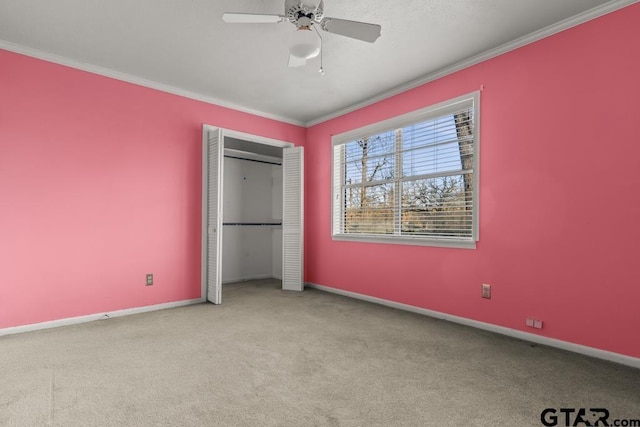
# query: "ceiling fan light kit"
303, 44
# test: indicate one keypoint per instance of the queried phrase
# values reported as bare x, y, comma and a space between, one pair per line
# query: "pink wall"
100, 183
559, 205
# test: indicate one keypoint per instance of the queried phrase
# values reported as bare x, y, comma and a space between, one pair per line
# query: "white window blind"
410, 179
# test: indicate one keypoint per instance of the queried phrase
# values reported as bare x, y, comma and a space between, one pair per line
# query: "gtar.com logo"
587, 417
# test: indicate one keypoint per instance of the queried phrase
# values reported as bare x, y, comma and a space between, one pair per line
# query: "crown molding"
476, 59
106, 72
581, 18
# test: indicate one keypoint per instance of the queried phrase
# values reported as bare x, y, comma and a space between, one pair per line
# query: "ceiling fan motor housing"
303, 13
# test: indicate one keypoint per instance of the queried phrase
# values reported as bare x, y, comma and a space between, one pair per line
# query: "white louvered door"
293, 219
213, 260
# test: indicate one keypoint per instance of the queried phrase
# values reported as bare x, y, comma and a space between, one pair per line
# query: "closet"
252, 211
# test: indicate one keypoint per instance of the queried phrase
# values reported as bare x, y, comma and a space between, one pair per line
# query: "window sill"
405, 240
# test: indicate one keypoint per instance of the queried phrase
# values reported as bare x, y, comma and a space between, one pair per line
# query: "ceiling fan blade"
354, 29
251, 18
295, 61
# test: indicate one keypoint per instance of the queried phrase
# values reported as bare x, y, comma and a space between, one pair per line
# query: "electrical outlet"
149, 279
486, 291
534, 323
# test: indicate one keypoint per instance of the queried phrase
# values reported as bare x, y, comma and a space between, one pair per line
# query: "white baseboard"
97, 316
526, 336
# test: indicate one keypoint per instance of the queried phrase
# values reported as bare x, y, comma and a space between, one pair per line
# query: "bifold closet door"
212, 170
293, 219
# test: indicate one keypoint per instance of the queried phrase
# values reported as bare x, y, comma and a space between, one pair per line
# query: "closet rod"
253, 160
252, 223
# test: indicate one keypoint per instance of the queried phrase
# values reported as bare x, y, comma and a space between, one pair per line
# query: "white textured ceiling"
183, 45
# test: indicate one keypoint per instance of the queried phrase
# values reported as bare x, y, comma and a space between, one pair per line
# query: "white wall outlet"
486, 291
149, 280
534, 323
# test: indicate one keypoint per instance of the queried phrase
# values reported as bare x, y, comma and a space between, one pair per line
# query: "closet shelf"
252, 223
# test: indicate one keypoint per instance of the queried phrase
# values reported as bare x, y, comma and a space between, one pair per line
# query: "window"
412, 179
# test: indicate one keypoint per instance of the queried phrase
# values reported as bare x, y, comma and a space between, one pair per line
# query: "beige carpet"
272, 358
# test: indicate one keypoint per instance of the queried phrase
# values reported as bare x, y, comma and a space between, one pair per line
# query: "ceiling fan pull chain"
321, 70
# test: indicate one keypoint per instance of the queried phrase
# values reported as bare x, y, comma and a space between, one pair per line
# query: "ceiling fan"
304, 14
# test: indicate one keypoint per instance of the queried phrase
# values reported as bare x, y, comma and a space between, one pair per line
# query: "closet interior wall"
252, 217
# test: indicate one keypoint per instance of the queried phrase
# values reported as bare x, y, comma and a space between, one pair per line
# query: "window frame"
424, 114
